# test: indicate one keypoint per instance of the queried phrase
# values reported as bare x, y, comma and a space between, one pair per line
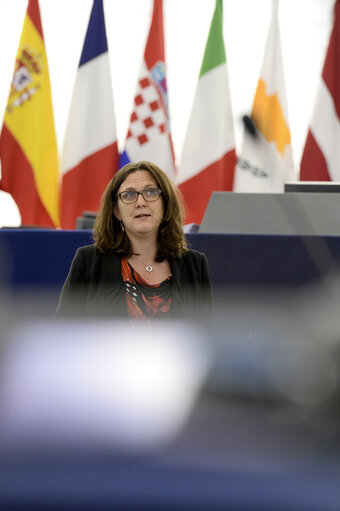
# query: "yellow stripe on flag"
29, 116
269, 119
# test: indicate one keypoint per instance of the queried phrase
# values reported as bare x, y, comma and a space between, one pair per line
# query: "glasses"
131, 196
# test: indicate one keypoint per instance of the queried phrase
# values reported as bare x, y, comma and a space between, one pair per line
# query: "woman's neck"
147, 249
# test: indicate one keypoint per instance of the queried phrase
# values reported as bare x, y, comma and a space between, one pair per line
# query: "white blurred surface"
99, 384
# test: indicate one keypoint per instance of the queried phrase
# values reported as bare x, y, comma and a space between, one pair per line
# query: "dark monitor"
86, 222
313, 186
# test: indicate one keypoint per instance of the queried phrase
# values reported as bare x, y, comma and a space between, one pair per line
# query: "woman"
140, 265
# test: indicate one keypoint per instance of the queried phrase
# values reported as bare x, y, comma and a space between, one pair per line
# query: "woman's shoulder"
194, 255
192, 258
192, 267
90, 254
87, 249
91, 251
86, 252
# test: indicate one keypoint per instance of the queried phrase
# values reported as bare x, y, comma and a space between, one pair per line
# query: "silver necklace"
148, 267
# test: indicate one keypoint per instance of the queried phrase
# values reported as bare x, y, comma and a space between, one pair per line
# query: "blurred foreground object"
99, 385
108, 415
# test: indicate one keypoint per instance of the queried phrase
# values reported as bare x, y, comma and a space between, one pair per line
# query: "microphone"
250, 125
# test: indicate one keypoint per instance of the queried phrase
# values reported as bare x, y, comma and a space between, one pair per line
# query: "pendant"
148, 268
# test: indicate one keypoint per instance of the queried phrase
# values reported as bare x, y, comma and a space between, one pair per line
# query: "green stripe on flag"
214, 54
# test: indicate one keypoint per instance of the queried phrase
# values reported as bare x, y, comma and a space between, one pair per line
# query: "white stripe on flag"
96, 114
213, 137
325, 127
157, 146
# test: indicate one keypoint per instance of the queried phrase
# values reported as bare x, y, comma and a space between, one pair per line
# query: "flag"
321, 156
208, 157
148, 136
28, 147
90, 152
265, 162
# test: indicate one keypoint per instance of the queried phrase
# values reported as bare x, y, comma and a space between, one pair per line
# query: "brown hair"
108, 234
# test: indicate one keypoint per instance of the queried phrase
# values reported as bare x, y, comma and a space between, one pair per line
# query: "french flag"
149, 136
90, 153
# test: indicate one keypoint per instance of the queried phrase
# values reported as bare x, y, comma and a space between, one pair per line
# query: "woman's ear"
116, 212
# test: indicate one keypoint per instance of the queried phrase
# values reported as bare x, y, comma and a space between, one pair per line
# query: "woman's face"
141, 218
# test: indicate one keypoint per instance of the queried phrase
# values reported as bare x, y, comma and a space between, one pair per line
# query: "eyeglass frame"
140, 193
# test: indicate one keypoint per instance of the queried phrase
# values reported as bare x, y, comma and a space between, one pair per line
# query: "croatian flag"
148, 136
90, 153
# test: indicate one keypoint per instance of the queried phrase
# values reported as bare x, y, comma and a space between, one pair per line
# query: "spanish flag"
28, 148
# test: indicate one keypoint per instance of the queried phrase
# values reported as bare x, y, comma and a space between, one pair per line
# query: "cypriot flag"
265, 162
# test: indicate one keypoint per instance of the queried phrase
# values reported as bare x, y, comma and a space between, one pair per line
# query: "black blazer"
94, 285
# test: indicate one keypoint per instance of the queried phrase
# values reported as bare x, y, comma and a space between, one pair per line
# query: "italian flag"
209, 157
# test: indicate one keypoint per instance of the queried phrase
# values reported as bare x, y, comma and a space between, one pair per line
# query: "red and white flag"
148, 136
90, 153
321, 156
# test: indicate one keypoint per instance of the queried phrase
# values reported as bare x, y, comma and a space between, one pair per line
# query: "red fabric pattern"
152, 305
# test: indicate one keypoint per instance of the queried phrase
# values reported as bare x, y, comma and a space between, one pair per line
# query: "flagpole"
275, 8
